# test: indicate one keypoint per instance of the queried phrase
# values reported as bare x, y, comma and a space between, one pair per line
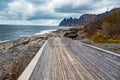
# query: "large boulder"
71, 34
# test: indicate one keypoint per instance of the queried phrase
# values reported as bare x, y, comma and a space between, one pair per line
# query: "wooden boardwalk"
65, 59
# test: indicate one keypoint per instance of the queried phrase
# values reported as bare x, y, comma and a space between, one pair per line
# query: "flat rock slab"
65, 59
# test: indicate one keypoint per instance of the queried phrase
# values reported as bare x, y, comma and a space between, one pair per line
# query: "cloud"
19, 10
72, 3
103, 5
3, 4
50, 11
45, 21
53, 22
83, 6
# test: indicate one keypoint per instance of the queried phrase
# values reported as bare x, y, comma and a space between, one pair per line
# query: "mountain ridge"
85, 19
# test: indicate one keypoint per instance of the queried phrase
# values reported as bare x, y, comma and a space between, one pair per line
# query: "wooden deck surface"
65, 59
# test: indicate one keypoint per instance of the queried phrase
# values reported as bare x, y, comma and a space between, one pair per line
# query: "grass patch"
99, 37
114, 40
100, 40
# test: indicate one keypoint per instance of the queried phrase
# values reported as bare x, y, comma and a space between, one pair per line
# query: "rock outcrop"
16, 55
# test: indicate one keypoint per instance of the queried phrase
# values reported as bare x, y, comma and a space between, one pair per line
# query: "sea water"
12, 32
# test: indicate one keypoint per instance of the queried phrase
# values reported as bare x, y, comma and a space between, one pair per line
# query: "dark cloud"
70, 9
4, 3
37, 2
78, 9
52, 9
40, 15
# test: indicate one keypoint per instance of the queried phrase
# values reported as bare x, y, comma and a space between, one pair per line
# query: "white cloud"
45, 22
20, 22
103, 6
73, 3
31, 22
20, 9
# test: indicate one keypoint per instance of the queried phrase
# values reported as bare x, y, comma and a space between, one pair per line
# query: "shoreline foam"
45, 31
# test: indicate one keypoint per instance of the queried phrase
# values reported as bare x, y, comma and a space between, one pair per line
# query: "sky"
50, 12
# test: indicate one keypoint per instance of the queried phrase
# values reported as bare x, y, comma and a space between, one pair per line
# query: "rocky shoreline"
16, 55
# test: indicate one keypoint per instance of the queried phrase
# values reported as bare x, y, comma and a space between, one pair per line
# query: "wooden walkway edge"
112, 53
30, 68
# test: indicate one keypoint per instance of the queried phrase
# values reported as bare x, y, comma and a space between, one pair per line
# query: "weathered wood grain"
65, 59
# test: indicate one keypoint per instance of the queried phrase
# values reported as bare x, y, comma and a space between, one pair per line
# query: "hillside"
106, 29
101, 28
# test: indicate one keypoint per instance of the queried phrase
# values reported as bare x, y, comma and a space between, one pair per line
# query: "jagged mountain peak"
86, 19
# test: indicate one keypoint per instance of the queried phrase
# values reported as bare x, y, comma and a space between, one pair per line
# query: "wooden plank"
65, 59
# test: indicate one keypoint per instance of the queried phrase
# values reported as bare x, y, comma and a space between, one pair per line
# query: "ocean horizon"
13, 32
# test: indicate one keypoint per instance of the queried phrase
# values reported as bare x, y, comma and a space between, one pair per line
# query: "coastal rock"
75, 33
1, 47
80, 35
2, 75
70, 34
16, 55
33, 38
8, 45
24, 40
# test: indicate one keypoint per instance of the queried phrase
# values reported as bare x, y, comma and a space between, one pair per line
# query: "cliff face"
85, 19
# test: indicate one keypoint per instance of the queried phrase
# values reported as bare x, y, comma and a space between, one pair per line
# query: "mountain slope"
85, 19
105, 29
